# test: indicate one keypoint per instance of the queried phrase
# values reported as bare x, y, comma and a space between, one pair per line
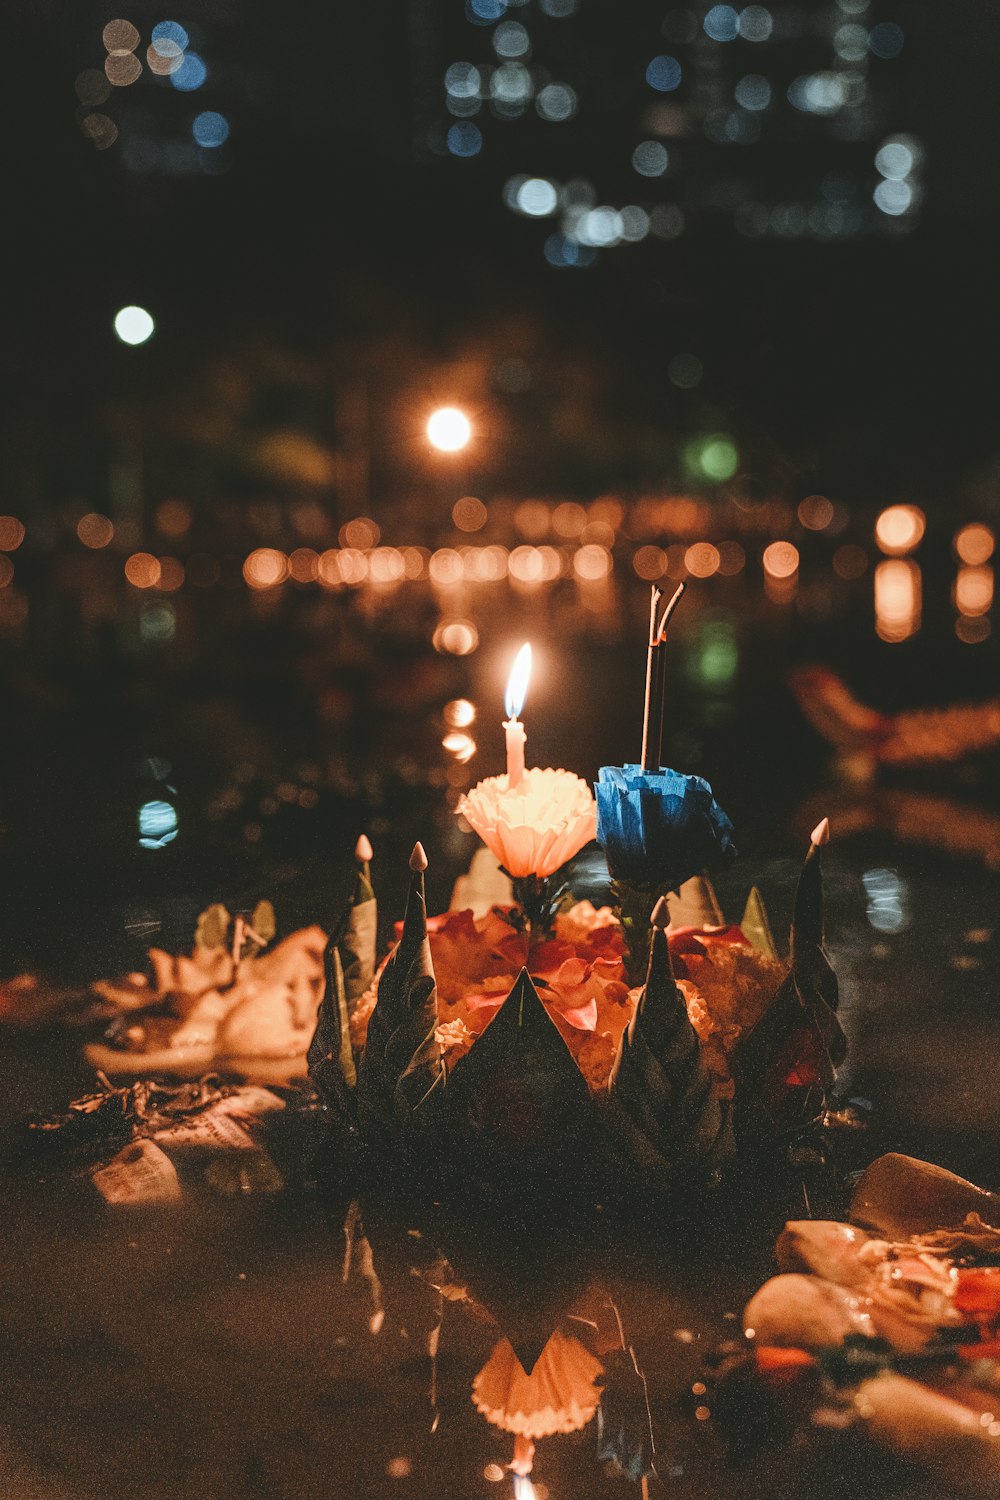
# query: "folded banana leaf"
786, 1065
755, 926
662, 1104
330, 1057
358, 938
401, 1063
517, 1108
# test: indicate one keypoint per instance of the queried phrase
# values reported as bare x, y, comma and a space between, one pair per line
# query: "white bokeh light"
134, 325
448, 429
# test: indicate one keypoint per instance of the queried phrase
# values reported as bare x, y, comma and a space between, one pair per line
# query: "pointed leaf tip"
418, 859
821, 833
661, 913
363, 849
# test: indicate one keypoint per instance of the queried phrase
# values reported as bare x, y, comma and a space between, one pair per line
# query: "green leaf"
756, 927
213, 927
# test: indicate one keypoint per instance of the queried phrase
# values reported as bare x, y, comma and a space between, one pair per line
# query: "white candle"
517, 690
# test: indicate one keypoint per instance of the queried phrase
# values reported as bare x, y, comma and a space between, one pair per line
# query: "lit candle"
517, 689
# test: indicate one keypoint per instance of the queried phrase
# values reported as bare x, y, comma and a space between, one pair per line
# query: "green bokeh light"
712, 456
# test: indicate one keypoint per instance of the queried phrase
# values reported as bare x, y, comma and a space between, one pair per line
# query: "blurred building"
610, 127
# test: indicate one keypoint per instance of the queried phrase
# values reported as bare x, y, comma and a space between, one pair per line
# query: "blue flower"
657, 828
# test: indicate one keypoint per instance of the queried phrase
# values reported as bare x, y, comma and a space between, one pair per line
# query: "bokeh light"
897, 599
459, 713
456, 638
526, 564
815, 512
94, 530
448, 429
191, 74
973, 593
6, 571
169, 34
265, 568
780, 560
122, 69
210, 129
591, 562
664, 74
972, 630
650, 159
701, 560
134, 325
732, 559
11, 533
173, 517
120, 37
386, 565
446, 567
303, 565
360, 533
171, 574
974, 543
142, 570
899, 529
469, 514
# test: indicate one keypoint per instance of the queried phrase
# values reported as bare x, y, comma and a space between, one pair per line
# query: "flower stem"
634, 908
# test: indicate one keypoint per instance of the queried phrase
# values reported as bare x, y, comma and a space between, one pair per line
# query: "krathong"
496, 1055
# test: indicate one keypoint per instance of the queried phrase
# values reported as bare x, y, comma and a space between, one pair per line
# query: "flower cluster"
658, 828
579, 973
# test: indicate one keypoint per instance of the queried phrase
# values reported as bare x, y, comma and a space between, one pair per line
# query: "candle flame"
517, 682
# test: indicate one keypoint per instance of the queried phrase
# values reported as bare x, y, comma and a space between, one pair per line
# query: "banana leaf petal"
330, 1058
660, 1089
357, 941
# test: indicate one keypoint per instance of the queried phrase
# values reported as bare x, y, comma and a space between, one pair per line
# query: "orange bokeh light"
781, 560
142, 570
702, 560
95, 531
974, 544
265, 568
11, 533
899, 529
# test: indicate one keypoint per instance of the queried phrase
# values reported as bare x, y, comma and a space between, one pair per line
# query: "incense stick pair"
652, 718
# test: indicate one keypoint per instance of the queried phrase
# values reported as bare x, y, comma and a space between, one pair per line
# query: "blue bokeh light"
210, 129
190, 75
172, 32
465, 139
664, 74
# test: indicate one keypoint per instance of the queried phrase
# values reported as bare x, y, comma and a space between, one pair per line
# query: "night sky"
867, 364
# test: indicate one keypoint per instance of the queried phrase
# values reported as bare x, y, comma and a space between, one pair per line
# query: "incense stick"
661, 666
654, 598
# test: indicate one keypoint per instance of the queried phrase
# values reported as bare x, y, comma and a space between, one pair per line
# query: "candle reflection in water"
897, 599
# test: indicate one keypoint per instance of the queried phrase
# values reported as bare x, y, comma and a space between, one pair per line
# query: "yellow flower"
536, 827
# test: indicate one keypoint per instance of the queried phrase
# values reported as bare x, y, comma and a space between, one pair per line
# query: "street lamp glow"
134, 325
448, 429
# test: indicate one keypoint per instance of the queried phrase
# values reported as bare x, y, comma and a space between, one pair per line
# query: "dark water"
218, 1349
